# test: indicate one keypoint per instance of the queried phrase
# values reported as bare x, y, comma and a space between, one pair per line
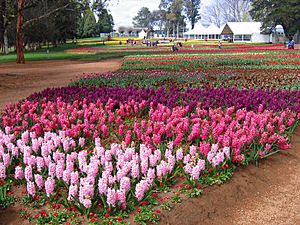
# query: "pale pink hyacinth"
74, 177
31, 188
121, 196
28, 173
111, 197
81, 142
52, 169
179, 154
19, 173
102, 186
6, 159
49, 186
140, 189
2, 171
39, 181
73, 192
193, 150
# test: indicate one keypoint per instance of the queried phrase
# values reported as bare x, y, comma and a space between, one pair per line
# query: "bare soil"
264, 195
19, 81
268, 194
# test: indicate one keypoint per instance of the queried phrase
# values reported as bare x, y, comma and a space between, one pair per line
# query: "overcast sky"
124, 10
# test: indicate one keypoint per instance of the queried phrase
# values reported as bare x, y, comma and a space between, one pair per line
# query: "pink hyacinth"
81, 142
2, 171
6, 159
74, 178
111, 197
49, 186
179, 154
39, 181
102, 186
52, 169
125, 183
128, 137
31, 188
19, 173
121, 196
73, 192
204, 148
28, 173
140, 189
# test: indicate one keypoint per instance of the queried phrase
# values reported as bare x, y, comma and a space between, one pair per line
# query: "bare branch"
45, 15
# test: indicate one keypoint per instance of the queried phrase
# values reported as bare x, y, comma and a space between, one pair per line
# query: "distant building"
245, 32
140, 32
236, 32
201, 32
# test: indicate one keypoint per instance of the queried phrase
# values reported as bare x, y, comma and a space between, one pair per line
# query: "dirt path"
19, 81
267, 195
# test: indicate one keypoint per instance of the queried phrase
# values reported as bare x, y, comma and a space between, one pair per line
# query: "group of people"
175, 47
151, 43
131, 41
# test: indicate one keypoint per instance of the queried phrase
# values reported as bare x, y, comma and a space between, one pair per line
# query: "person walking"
291, 43
219, 44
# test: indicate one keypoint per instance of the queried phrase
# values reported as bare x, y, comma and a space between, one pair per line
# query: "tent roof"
238, 28
200, 29
213, 29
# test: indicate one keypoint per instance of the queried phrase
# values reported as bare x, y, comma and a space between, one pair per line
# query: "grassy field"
111, 49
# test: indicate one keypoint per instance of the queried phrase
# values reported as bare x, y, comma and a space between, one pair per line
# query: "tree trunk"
20, 35
5, 39
177, 30
173, 29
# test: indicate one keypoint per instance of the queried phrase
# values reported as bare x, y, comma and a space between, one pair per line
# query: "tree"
89, 24
144, 18
175, 15
6, 17
213, 13
222, 11
58, 8
276, 12
192, 8
105, 23
19, 34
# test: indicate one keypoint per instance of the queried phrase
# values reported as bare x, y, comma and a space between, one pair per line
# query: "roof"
200, 29
238, 28
213, 29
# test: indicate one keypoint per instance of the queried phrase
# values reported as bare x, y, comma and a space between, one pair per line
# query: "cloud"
124, 10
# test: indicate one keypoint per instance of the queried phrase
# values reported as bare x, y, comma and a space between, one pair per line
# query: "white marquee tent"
201, 32
245, 32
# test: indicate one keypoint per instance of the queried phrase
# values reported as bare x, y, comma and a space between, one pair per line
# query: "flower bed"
109, 148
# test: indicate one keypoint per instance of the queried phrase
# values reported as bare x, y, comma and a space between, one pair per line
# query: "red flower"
155, 195
93, 220
158, 211
108, 210
106, 215
119, 219
144, 203
36, 216
55, 214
